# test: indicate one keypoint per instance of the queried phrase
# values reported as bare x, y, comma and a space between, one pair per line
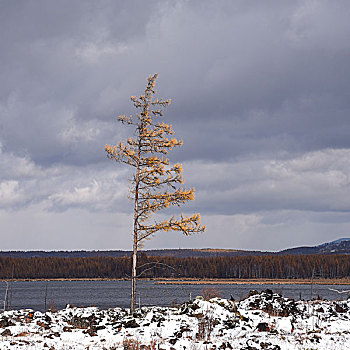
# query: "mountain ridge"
339, 246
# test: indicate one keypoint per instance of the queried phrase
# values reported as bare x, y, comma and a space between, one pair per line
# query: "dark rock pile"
272, 303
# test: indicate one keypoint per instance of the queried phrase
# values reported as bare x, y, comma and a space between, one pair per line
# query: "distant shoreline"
191, 281
345, 281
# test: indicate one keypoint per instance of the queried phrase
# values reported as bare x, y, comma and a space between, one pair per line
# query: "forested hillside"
266, 266
179, 253
340, 246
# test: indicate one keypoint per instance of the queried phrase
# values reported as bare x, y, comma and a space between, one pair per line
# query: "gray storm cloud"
260, 97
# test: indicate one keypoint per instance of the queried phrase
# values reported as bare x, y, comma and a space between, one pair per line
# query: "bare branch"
156, 264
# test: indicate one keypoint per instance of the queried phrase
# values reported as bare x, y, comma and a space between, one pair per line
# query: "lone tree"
155, 184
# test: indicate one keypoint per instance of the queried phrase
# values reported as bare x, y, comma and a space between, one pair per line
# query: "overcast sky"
260, 96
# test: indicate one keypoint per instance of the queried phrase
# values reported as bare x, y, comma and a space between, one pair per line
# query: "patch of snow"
263, 320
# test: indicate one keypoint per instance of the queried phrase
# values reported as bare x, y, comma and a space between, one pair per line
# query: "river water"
106, 294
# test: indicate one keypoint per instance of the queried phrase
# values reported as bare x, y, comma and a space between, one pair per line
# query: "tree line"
266, 266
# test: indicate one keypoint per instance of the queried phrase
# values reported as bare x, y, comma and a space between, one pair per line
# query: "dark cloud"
260, 97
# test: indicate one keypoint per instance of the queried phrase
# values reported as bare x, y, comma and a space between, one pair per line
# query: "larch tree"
155, 184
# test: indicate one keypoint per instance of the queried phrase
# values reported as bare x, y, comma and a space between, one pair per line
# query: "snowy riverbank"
261, 321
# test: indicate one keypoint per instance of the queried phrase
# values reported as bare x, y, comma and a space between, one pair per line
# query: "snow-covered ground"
263, 320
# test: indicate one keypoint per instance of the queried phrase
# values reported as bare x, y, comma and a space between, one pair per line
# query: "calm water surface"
106, 294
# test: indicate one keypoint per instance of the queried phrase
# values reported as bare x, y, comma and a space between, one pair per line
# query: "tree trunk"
134, 254
133, 277
135, 245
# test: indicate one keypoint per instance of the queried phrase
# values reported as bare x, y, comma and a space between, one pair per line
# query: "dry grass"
206, 281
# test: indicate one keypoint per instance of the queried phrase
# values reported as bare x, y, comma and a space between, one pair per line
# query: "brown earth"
345, 281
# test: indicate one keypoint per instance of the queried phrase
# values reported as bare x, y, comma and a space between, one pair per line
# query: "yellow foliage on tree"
155, 183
